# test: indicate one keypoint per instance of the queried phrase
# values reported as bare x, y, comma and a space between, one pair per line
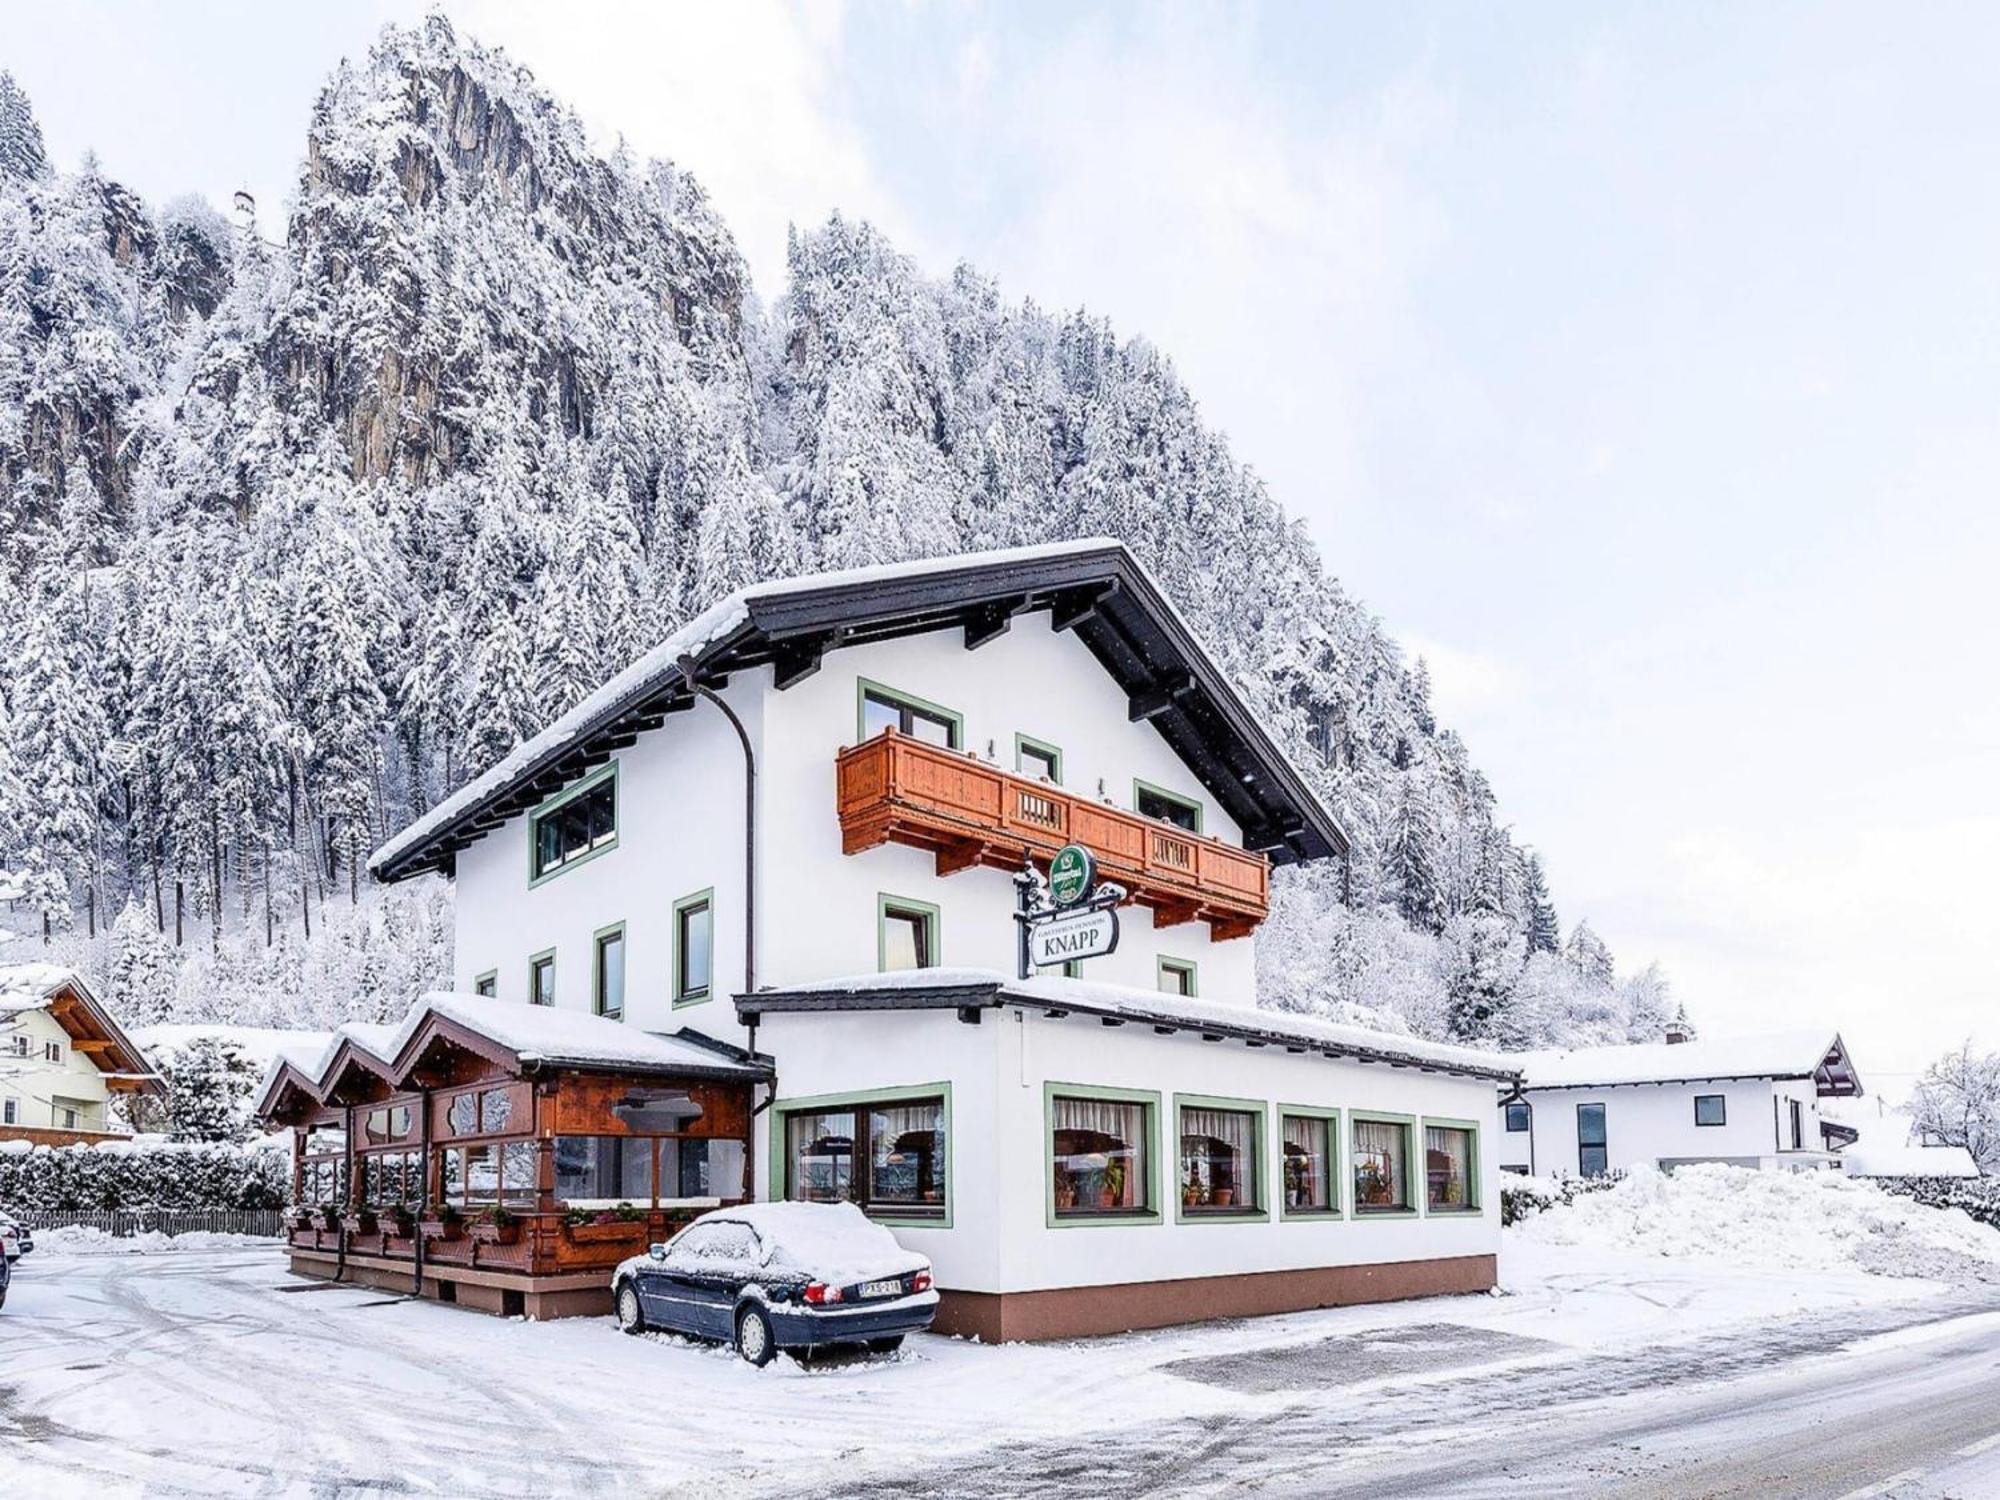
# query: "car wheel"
631, 1319
885, 1346
754, 1339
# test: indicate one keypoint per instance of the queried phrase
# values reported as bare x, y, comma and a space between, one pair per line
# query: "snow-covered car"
15, 1241
771, 1276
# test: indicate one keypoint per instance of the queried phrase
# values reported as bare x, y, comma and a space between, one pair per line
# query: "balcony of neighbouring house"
896, 789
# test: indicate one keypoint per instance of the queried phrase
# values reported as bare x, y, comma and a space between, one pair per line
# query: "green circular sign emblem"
1072, 875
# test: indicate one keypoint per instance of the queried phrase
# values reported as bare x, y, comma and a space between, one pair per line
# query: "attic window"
576, 825
885, 708
1154, 802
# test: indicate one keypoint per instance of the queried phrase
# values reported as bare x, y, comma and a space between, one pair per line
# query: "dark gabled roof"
1121, 1005
1096, 588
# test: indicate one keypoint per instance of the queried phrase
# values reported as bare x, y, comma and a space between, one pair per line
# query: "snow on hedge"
143, 1174
1803, 1220
82, 1239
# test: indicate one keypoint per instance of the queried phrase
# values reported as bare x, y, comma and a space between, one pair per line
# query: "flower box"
361, 1222
497, 1234
442, 1229
607, 1232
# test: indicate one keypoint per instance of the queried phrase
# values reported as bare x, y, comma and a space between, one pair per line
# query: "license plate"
881, 1289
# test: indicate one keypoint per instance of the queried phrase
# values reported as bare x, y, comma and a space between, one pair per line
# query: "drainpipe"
424, 1197
688, 669
1518, 1097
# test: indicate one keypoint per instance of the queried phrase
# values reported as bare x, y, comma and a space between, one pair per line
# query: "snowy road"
211, 1372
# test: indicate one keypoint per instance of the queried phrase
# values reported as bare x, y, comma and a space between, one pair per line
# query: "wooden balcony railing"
894, 789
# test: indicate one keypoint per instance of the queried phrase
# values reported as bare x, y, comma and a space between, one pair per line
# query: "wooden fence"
122, 1223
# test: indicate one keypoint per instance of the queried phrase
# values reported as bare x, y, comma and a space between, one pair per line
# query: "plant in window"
1065, 1192
1112, 1193
1372, 1186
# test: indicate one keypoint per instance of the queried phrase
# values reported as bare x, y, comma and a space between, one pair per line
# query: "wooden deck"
895, 789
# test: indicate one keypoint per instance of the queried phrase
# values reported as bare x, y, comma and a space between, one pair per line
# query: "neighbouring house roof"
1095, 587
1818, 1055
527, 1038
1892, 1159
946, 989
68, 1001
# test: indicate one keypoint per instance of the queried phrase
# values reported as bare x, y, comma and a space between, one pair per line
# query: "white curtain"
1103, 1116
1378, 1164
1448, 1166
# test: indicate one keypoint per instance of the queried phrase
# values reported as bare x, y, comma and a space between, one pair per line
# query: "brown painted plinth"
506, 1293
1086, 1311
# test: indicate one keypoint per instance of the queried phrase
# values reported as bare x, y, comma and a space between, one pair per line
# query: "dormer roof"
1096, 588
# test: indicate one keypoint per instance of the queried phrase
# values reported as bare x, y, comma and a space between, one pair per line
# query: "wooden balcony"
894, 789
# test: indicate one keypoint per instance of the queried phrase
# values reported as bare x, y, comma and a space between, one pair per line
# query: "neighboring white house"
62, 1057
1747, 1101
1132, 1145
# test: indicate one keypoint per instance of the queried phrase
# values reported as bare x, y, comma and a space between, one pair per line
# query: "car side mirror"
658, 1252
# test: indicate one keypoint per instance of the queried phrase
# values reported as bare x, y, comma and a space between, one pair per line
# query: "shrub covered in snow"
82, 1239
1807, 1220
1978, 1196
1523, 1197
143, 1174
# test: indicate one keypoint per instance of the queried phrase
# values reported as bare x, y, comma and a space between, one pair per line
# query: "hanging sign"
1072, 876
1062, 940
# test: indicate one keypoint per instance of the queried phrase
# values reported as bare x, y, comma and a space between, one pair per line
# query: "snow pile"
1820, 1221
82, 1239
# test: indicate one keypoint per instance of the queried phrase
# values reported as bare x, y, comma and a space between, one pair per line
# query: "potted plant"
619, 1225
299, 1216
1223, 1197
327, 1217
497, 1225
443, 1221
359, 1219
1065, 1193
398, 1219
1372, 1186
1112, 1191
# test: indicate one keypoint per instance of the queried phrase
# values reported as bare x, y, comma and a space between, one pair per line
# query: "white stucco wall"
681, 830
1000, 1239
1651, 1123
41, 1089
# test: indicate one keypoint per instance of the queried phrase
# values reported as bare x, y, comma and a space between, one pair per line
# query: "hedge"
1978, 1196
143, 1174
1524, 1197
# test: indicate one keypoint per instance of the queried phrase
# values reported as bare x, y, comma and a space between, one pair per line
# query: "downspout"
688, 668
340, 1242
1521, 1098
423, 1207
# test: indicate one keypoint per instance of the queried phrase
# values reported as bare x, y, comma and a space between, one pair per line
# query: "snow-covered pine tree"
22, 155
1544, 928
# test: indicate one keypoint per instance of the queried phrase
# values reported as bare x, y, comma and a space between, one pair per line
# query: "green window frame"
1336, 1164
1475, 1199
1189, 971
487, 985
685, 993
1259, 1175
1149, 1099
538, 874
911, 707
535, 962
1359, 1117
932, 930
779, 1143
600, 977
1026, 745
1142, 790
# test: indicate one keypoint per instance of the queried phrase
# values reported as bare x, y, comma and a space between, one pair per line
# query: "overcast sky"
1637, 365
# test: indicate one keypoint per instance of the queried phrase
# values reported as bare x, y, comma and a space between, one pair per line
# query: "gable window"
10, 1112
1221, 1170
1307, 1141
1592, 1158
1033, 757
575, 825
907, 935
694, 947
1177, 976
1382, 1166
1518, 1117
1710, 1109
52, 1052
609, 979
1100, 1155
487, 984
1168, 807
885, 708
889, 1156
1451, 1168
542, 978
19, 1044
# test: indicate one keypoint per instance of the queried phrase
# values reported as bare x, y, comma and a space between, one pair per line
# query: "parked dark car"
15, 1241
771, 1276
6, 1275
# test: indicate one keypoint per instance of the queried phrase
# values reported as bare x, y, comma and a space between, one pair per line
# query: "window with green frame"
1309, 1140
1178, 976
1451, 1166
487, 984
576, 824
542, 978
885, 708
1381, 1160
1221, 1170
694, 948
608, 977
1157, 802
906, 934
888, 1151
1033, 757
1101, 1152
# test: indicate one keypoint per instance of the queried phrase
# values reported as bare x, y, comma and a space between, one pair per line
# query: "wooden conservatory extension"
506, 1157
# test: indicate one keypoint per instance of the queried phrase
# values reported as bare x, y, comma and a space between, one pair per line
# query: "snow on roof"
1788, 1054
1866, 1159
260, 1044
1146, 1004
29, 986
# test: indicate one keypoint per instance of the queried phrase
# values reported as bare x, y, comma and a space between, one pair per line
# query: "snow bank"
81, 1239
1820, 1221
